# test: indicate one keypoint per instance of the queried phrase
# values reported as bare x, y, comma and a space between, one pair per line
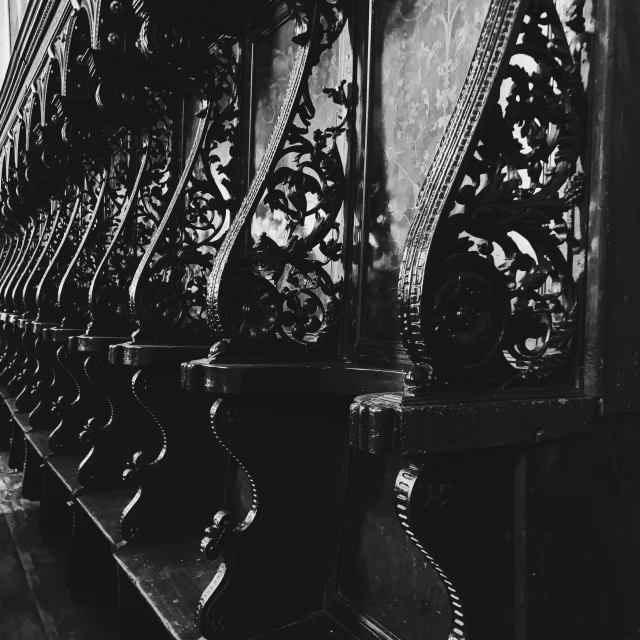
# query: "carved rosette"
487, 282
275, 294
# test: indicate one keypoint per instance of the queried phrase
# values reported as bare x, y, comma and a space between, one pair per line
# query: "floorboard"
35, 603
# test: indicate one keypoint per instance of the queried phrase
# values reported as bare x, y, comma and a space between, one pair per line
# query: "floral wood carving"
213, 618
12, 247
9, 250
51, 233
98, 224
26, 240
43, 225
109, 293
272, 292
168, 289
423, 52
76, 216
486, 285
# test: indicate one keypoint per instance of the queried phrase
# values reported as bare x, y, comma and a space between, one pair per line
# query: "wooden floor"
35, 603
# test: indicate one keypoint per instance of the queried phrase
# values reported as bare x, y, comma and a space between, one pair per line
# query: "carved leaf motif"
301, 184
508, 209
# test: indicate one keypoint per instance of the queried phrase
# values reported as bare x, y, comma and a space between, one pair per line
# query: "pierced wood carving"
139, 217
168, 288
487, 289
271, 292
97, 224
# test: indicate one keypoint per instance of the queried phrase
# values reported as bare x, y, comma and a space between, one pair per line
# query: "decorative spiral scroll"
285, 292
486, 283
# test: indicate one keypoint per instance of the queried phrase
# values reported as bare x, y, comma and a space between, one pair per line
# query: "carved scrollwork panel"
41, 224
98, 225
140, 215
168, 289
281, 291
25, 237
76, 213
487, 284
9, 247
423, 52
52, 224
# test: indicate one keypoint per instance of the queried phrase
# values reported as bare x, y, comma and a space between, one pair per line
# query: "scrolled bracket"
487, 286
167, 464
277, 295
411, 493
167, 293
222, 544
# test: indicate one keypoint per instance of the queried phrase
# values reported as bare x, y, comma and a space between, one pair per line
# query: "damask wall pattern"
423, 52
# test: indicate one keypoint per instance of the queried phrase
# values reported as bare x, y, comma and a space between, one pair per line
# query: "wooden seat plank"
105, 508
171, 579
66, 468
39, 440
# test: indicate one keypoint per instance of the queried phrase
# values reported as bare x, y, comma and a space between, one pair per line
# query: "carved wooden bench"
295, 277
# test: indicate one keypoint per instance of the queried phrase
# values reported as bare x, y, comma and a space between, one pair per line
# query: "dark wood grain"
171, 579
410, 425
299, 377
66, 469
105, 509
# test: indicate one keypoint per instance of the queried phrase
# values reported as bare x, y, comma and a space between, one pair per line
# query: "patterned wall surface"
423, 50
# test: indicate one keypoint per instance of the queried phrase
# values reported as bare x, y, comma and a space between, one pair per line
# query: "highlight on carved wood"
180, 178
281, 289
168, 288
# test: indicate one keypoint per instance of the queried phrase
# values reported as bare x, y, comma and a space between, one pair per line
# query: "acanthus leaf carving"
168, 289
276, 294
486, 287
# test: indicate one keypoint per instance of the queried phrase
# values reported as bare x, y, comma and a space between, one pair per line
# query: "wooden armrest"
345, 378
410, 425
140, 355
